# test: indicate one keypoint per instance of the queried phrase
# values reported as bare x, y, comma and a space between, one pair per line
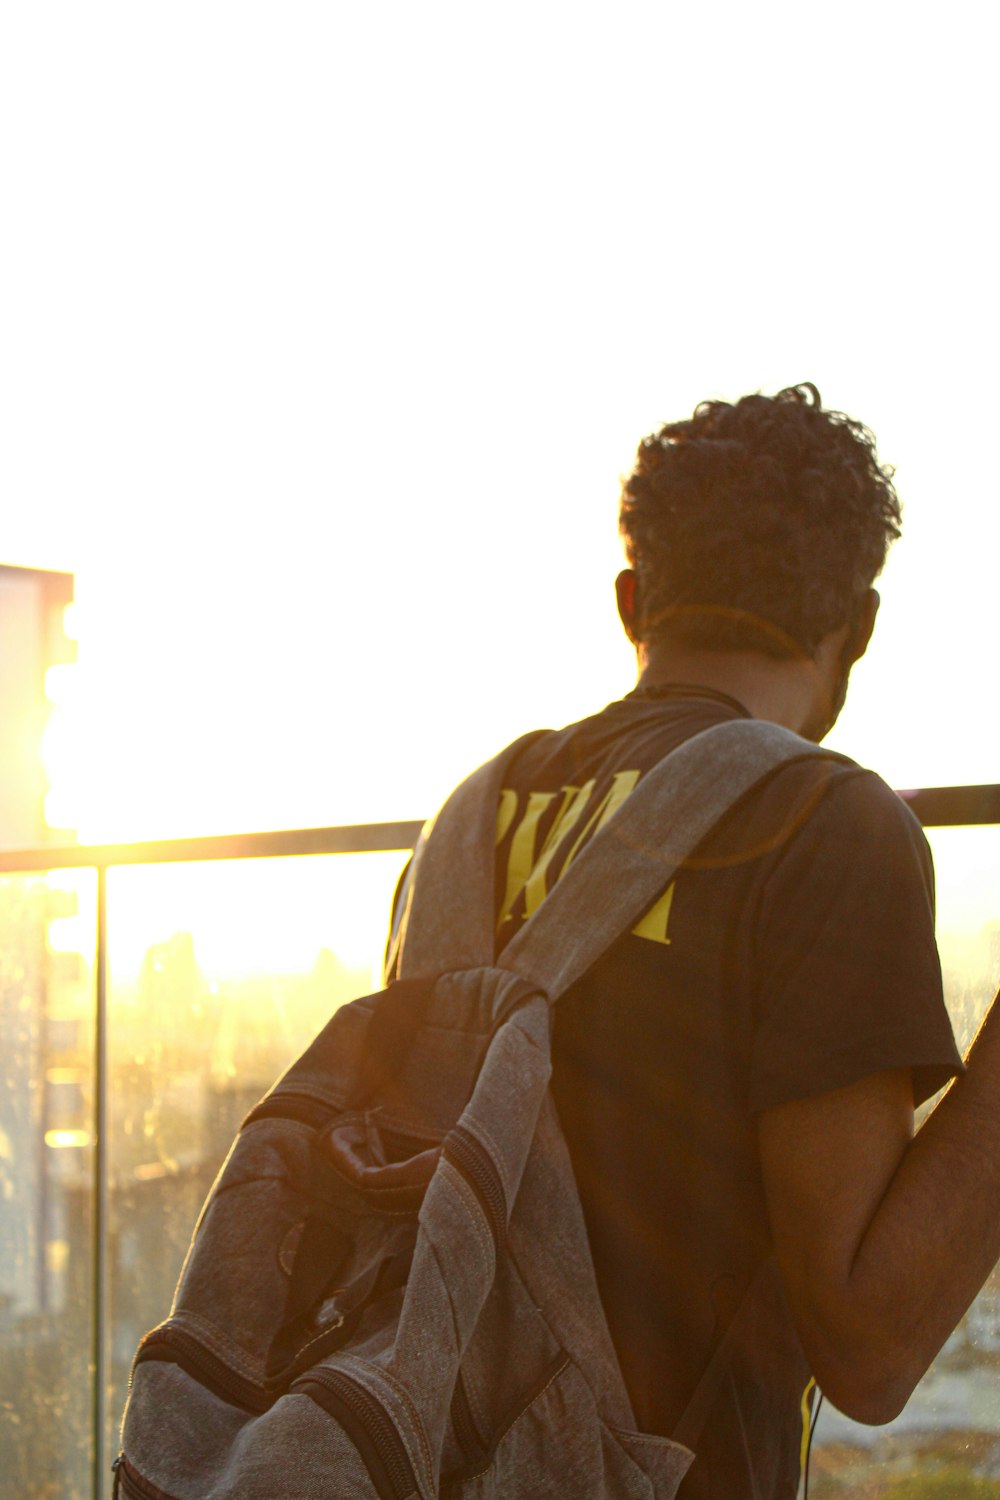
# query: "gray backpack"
389, 1291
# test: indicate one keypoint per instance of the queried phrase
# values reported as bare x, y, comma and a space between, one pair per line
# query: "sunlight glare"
343, 516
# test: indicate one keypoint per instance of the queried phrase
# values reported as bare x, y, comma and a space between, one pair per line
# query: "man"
736, 1078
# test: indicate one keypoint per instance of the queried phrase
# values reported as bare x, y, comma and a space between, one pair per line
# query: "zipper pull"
116, 1469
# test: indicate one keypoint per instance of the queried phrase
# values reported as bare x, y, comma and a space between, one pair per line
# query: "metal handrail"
955, 806
935, 806
349, 838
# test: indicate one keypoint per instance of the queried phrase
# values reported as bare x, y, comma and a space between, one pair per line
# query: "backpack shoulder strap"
633, 858
449, 921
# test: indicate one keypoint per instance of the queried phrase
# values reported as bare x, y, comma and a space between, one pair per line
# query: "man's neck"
781, 691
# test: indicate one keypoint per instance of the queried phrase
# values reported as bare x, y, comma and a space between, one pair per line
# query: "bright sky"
326, 332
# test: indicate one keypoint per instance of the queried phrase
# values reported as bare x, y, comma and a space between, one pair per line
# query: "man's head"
756, 526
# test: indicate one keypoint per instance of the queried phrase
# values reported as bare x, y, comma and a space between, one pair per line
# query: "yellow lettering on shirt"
575, 800
505, 812
622, 783
522, 849
528, 867
654, 924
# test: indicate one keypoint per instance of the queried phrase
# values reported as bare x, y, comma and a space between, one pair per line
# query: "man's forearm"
935, 1236
885, 1238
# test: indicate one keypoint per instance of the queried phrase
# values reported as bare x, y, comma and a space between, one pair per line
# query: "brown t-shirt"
793, 955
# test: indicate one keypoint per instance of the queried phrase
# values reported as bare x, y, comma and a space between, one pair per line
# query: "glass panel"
220, 974
946, 1444
47, 938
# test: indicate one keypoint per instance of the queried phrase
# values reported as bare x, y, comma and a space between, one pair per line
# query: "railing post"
101, 1193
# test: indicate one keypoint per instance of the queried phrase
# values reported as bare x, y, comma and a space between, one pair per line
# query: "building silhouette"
32, 639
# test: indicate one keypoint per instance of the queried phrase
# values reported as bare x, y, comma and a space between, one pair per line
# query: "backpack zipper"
467, 1433
453, 1484
130, 1483
188, 1352
363, 1417
308, 1109
469, 1157
354, 1408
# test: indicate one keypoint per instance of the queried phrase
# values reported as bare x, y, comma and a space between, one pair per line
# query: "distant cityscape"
188, 1057
970, 969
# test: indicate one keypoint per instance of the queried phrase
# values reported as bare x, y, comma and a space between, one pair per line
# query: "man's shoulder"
855, 799
833, 808
822, 800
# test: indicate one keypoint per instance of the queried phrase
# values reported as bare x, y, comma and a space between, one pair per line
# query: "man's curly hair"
757, 525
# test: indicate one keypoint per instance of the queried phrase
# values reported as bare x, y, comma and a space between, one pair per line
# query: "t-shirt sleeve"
848, 975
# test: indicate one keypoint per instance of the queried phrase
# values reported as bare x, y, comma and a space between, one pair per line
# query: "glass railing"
149, 994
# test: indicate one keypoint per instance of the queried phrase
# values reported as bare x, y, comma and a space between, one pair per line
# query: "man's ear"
627, 591
865, 624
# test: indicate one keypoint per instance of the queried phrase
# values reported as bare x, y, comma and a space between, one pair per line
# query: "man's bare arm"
884, 1238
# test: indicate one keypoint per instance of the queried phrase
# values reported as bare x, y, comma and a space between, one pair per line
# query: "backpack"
389, 1291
